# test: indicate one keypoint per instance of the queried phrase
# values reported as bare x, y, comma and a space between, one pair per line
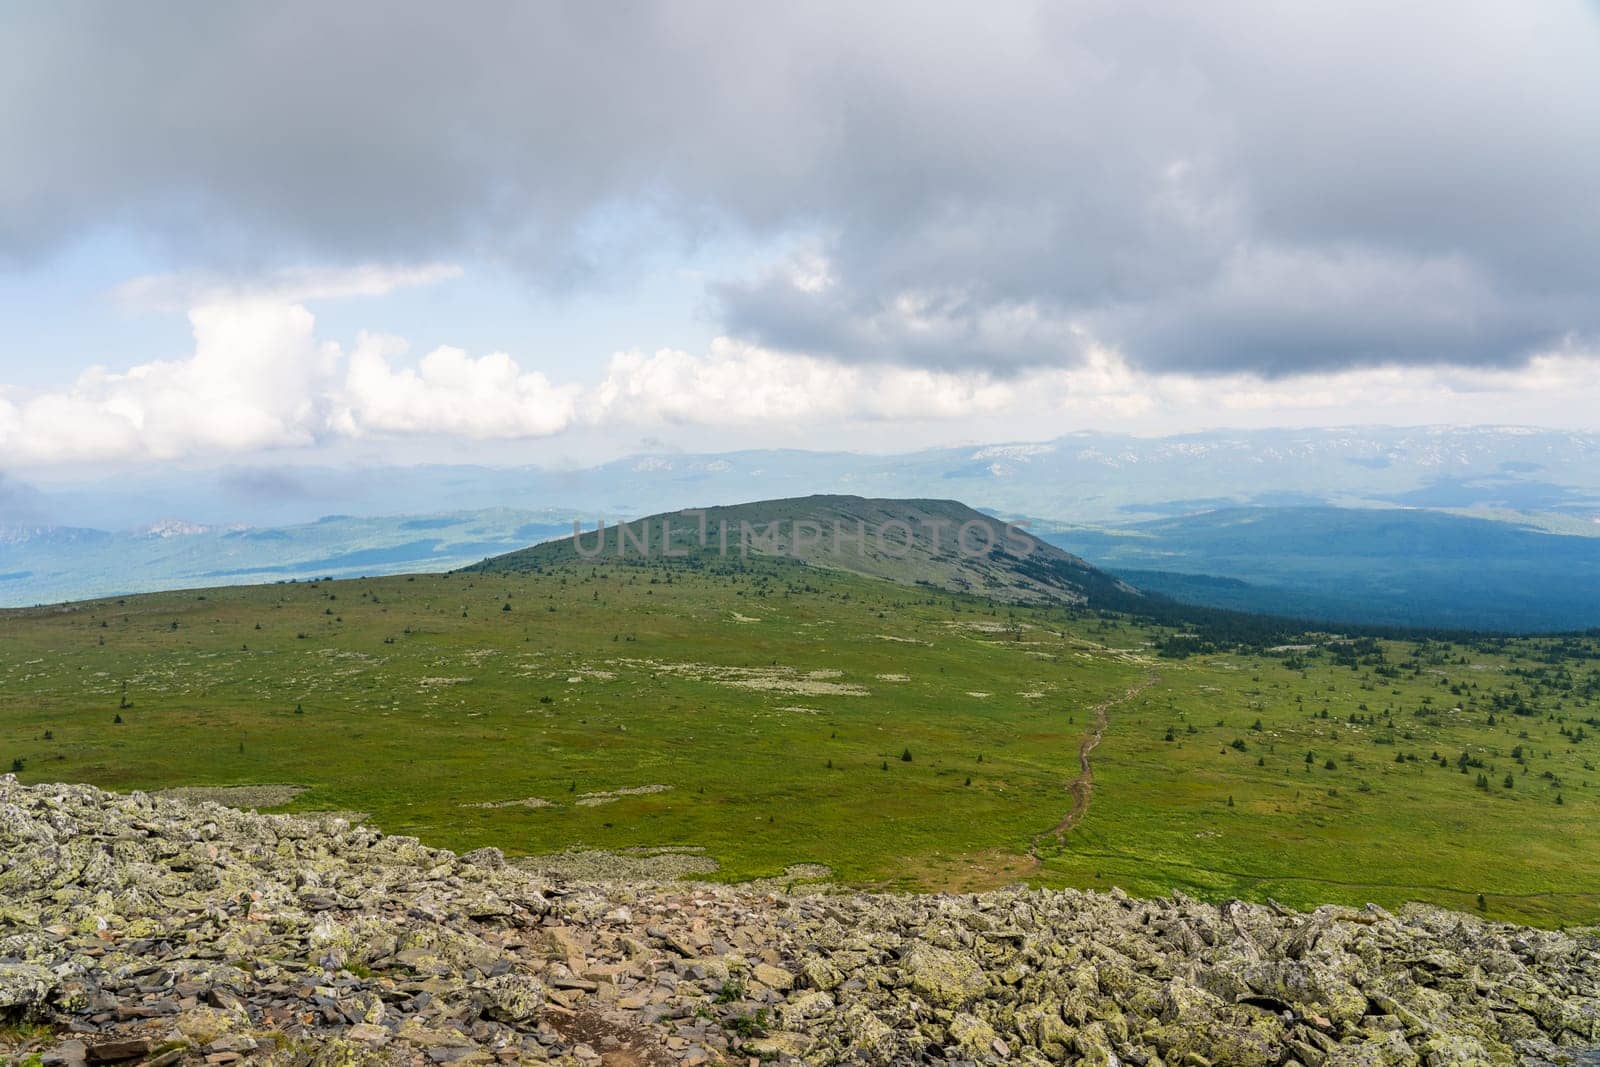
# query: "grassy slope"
422, 695
451, 712
1371, 828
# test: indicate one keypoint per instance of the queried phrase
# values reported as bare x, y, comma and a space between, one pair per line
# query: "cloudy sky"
550, 232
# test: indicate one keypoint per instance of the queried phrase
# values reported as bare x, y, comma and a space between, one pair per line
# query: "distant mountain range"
1080, 477
48, 564
1398, 567
1390, 567
1488, 527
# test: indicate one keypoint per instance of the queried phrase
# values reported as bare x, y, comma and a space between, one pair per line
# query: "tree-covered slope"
1392, 566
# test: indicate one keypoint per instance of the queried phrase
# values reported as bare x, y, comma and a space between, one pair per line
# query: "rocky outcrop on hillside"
142, 929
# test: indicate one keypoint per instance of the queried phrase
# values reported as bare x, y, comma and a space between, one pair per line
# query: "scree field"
765, 715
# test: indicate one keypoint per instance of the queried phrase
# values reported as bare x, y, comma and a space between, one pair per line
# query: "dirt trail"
1082, 787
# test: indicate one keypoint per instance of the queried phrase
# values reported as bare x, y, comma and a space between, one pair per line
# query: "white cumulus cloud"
255, 381
742, 383
259, 378
448, 393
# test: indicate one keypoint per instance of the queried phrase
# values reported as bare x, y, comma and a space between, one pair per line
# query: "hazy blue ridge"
1386, 567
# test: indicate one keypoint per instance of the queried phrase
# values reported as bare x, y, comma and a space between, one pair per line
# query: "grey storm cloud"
1239, 185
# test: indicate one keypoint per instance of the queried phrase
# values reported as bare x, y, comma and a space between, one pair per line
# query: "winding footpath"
1082, 787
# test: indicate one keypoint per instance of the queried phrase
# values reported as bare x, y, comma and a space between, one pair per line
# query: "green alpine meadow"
1029, 534
906, 719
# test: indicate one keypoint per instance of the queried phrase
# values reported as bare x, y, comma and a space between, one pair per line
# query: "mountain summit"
938, 543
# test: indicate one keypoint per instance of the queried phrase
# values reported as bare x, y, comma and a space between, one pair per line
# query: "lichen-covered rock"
512, 998
1094, 1045
943, 978
821, 974
972, 1037
207, 935
1307, 987
488, 856
782, 1043
804, 1007
863, 1031
772, 977
24, 988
